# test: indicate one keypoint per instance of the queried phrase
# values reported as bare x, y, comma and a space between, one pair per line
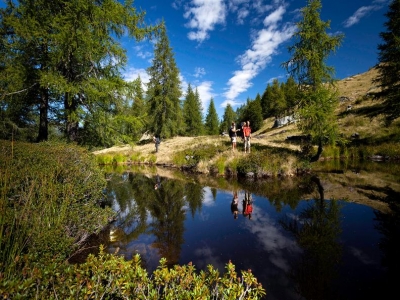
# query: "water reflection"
299, 244
316, 230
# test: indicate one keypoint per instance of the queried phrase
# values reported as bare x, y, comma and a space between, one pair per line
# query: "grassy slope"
364, 119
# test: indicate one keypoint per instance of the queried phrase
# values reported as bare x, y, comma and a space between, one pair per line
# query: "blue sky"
231, 49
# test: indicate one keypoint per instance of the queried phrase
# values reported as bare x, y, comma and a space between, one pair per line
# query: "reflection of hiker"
234, 205
247, 205
156, 141
247, 136
232, 135
158, 183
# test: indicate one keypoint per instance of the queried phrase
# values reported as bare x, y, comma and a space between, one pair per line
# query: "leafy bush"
108, 276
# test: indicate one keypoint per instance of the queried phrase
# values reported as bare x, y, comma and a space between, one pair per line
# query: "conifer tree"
389, 63
163, 90
308, 66
192, 112
252, 112
212, 123
291, 92
69, 60
228, 117
277, 101
266, 98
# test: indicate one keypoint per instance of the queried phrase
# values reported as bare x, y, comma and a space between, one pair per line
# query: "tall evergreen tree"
192, 112
252, 112
228, 117
163, 90
308, 66
266, 98
277, 101
291, 92
212, 122
389, 63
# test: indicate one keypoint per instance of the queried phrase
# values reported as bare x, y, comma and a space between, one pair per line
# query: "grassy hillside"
363, 120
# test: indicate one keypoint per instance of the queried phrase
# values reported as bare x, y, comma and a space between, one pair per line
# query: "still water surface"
298, 243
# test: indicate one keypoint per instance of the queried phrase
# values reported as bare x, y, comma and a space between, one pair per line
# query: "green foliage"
220, 164
72, 69
308, 65
163, 91
229, 117
108, 276
252, 112
104, 159
212, 123
49, 201
192, 112
119, 158
389, 63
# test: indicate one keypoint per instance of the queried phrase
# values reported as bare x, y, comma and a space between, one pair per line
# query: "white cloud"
272, 239
264, 46
271, 80
132, 73
203, 15
205, 92
199, 72
363, 11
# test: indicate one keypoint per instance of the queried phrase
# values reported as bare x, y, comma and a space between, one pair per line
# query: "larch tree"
192, 112
212, 122
308, 66
389, 63
163, 90
72, 60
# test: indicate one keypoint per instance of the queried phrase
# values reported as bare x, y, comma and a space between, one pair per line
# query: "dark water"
298, 243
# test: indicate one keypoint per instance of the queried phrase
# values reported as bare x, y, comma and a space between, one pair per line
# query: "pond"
333, 235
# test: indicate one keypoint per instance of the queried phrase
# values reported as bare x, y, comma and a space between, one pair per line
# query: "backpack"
231, 132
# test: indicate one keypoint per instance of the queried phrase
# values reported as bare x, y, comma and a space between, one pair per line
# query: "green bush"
50, 200
108, 276
104, 159
119, 158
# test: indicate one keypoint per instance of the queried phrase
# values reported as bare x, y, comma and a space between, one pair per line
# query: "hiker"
233, 135
156, 141
247, 205
234, 205
247, 136
158, 183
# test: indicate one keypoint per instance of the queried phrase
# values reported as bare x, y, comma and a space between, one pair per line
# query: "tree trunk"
319, 152
71, 123
43, 118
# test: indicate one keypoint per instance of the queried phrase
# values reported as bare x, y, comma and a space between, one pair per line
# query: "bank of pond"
70, 229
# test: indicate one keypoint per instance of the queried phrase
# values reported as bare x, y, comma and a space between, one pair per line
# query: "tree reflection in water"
317, 231
166, 206
188, 219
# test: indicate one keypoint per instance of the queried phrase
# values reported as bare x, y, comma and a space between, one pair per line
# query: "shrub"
50, 200
108, 276
119, 158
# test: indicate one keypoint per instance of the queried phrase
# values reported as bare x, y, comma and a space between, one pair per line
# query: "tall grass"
50, 196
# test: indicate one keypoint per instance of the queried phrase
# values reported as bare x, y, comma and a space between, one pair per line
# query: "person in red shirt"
247, 136
247, 205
